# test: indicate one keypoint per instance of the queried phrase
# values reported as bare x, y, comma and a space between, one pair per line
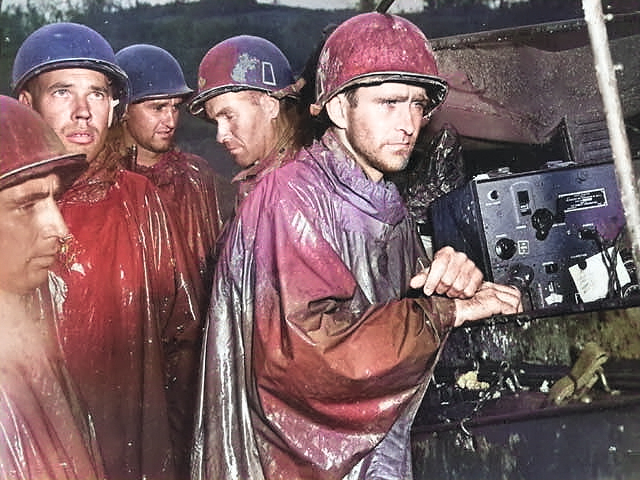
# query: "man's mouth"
80, 138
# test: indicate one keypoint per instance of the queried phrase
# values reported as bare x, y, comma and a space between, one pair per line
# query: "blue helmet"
153, 73
67, 45
240, 63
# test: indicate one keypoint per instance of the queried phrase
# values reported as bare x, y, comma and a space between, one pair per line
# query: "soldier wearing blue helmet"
130, 324
186, 181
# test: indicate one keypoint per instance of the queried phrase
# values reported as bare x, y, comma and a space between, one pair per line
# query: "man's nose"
81, 108
222, 132
53, 223
407, 120
170, 119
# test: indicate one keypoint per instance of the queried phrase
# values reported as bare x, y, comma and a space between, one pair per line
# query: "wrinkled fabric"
131, 329
45, 431
315, 361
189, 185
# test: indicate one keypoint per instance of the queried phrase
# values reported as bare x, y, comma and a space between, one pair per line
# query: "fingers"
451, 273
507, 294
490, 299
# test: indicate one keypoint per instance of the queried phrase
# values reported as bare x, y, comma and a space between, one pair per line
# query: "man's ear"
125, 115
337, 110
271, 106
26, 98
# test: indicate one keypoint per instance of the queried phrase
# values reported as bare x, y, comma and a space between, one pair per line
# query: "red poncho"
131, 329
190, 186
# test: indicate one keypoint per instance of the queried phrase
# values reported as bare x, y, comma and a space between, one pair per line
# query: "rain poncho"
45, 431
131, 330
315, 359
189, 185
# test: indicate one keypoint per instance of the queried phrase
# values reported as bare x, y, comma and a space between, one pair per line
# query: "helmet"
241, 63
153, 73
372, 48
67, 45
30, 148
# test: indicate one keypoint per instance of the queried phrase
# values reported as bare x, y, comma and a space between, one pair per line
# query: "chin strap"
114, 104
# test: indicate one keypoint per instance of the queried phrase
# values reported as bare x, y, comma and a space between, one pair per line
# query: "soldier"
247, 88
45, 431
316, 357
130, 328
186, 181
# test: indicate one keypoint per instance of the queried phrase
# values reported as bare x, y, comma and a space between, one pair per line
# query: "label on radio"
572, 202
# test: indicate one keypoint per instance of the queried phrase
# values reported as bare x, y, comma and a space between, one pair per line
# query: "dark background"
189, 30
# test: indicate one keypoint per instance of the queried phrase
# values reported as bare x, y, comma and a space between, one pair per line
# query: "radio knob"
505, 248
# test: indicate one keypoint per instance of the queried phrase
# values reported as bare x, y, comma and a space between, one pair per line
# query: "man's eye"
26, 207
60, 92
422, 106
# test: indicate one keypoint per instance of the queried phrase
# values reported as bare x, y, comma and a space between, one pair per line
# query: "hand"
490, 299
451, 273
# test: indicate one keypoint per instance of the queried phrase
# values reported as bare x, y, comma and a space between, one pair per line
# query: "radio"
552, 232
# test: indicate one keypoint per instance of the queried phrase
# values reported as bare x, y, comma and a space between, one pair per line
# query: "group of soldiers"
148, 336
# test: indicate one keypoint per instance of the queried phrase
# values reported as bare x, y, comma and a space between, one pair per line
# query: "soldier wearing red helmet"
46, 432
316, 359
130, 325
148, 129
247, 88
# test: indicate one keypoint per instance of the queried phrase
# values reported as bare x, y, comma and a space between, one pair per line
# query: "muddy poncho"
316, 360
190, 186
131, 328
45, 431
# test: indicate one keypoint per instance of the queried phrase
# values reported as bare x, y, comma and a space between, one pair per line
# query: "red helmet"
30, 148
372, 48
239, 63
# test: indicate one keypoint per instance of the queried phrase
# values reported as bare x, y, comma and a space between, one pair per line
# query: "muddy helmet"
240, 63
30, 148
67, 45
372, 48
153, 73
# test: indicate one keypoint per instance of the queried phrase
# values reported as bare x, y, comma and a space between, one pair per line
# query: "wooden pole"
608, 86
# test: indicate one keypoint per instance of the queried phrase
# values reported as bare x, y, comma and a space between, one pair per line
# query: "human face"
381, 126
246, 125
151, 125
31, 229
77, 104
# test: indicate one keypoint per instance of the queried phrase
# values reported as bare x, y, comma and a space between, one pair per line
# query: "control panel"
529, 229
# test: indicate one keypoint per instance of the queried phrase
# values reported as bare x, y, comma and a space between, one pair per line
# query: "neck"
13, 304
147, 158
371, 173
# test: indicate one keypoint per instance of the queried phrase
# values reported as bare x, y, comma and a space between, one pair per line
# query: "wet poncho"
45, 431
131, 329
190, 186
315, 358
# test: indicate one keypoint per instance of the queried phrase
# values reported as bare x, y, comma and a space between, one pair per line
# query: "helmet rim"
112, 71
68, 167
437, 88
